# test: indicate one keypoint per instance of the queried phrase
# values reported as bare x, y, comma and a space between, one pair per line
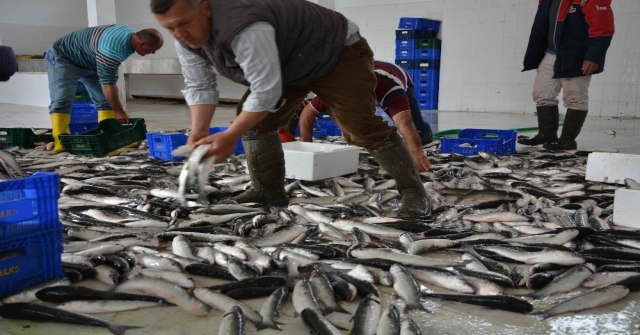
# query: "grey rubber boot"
396, 159
548, 127
265, 161
573, 122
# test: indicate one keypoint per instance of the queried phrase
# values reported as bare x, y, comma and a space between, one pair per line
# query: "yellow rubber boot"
106, 114
59, 125
110, 114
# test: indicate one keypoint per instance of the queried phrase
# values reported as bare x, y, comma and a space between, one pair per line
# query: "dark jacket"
584, 29
310, 38
8, 63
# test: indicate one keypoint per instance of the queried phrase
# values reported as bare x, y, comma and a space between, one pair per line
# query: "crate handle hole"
3, 133
468, 145
490, 135
12, 253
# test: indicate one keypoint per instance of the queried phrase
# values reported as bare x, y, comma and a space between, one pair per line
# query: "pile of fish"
507, 233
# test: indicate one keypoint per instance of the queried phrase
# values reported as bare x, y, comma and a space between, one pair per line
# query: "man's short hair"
163, 6
149, 36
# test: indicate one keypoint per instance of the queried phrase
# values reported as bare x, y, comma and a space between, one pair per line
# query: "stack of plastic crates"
418, 51
84, 118
30, 233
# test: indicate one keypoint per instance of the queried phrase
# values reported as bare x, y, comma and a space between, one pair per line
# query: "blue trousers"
423, 128
63, 81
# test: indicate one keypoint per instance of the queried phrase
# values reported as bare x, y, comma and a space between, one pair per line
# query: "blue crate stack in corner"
418, 51
31, 234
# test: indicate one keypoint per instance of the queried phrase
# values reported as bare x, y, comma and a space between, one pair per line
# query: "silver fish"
106, 306
226, 304
390, 321
232, 322
407, 288
271, 309
304, 298
165, 290
565, 282
590, 299
323, 291
367, 315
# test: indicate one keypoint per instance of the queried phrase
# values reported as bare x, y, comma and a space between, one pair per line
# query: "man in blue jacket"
568, 43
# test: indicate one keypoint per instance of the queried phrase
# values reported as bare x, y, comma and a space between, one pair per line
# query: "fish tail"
337, 309
541, 315
416, 307
271, 325
120, 329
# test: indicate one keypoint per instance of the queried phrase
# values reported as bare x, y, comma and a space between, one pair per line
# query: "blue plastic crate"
426, 94
161, 145
472, 141
84, 112
428, 74
239, 148
404, 53
410, 34
30, 260
419, 24
77, 129
406, 44
426, 85
418, 64
327, 124
29, 205
427, 54
428, 104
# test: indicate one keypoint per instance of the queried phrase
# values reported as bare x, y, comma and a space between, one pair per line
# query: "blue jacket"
584, 29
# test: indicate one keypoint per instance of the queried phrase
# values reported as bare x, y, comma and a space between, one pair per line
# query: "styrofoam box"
316, 161
612, 168
626, 211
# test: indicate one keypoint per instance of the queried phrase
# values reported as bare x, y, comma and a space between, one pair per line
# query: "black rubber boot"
548, 127
265, 161
396, 160
427, 137
570, 130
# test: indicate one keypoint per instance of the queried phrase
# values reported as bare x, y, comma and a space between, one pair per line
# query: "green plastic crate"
428, 43
17, 137
109, 136
83, 97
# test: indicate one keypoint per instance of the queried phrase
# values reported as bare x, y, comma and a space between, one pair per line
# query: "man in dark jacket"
282, 50
8, 63
568, 43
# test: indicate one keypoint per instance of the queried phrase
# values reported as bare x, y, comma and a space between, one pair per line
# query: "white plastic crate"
612, 168
626, 211
317, 161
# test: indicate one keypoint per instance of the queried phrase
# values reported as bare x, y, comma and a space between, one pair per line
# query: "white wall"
31, 26
31, 89
136, 14
483, 47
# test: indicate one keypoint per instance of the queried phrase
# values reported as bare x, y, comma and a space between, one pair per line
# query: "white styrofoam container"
316, 161
612, 168
626, 208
